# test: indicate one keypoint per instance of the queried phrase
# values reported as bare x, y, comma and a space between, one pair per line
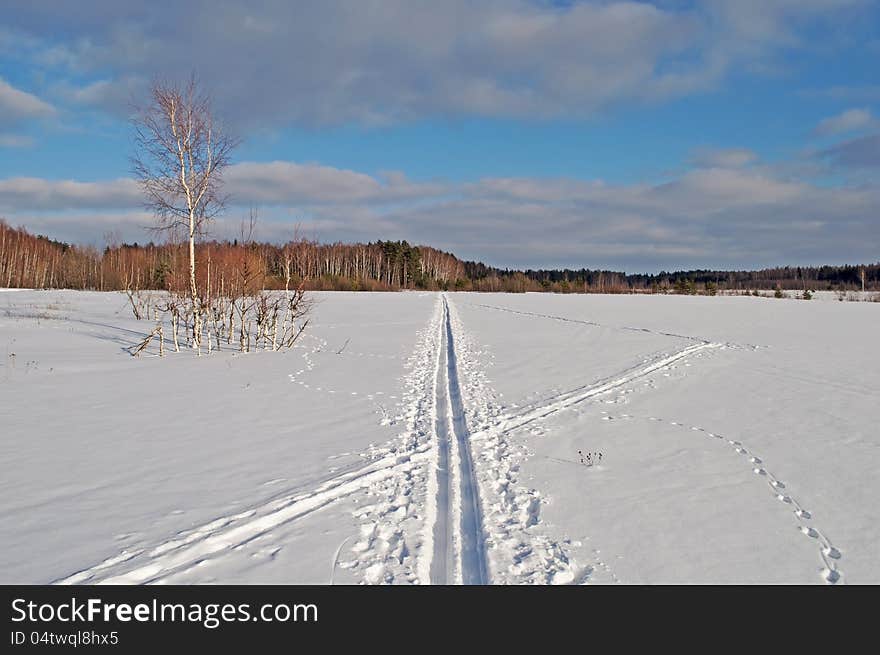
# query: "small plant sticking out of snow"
590, 458
233, 306
807, 294
156, 333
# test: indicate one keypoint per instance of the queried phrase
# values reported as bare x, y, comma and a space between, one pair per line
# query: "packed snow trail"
622, 328
458, 554
565, 319
442, 564
473, 562
226, 533
515, 550
509, 422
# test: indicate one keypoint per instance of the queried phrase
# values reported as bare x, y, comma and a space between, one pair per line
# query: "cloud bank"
706, 217
331, 62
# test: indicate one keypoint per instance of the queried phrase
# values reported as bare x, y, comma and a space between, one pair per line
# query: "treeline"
39, 262
36, 261
816, 278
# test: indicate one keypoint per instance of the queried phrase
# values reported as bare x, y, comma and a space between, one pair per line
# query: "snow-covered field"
437, 438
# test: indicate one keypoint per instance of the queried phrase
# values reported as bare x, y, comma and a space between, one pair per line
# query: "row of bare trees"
38, 262
395, 264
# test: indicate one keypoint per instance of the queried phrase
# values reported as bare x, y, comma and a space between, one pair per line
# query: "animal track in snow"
829, 555
310, 365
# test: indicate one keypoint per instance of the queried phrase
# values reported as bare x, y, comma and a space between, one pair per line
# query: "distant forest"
36, 261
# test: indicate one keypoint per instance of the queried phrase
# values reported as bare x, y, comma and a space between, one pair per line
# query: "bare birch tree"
180, 154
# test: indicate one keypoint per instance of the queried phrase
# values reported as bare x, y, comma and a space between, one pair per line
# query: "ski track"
231, 532
395, 545
516, 550
626, 328
829, 554
467, 530
581, 394
442, 564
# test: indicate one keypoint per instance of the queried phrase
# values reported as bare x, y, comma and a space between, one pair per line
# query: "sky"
634, 136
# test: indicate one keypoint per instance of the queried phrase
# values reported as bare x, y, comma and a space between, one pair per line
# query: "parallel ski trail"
227, 533
592, 323
514, 550
471, 544
622, 328
458, 544
508, 422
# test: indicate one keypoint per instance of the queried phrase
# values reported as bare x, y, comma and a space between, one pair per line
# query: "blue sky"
631, 135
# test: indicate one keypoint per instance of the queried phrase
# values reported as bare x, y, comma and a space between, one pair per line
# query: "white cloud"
848, 121
283, 182
17, 105
33, 193
704, 192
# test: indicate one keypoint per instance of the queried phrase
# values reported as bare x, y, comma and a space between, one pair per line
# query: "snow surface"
435, 438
